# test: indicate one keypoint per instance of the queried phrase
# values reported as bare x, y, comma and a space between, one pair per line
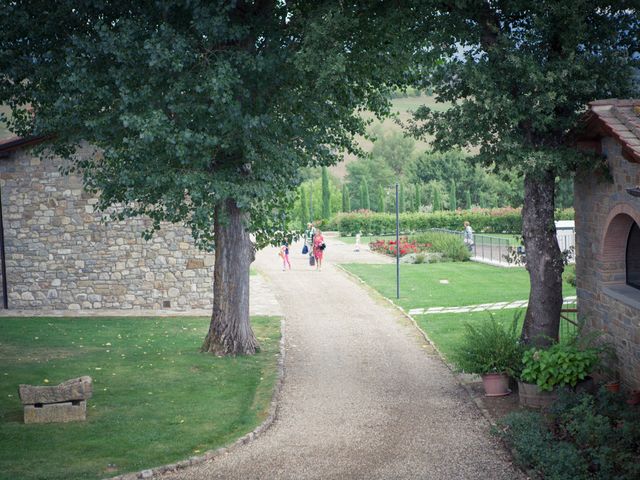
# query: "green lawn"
156, 398
469, 283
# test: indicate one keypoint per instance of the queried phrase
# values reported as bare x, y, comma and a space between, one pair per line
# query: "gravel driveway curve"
363, 397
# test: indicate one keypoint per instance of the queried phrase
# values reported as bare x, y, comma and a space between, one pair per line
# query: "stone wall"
60, 256
604, 215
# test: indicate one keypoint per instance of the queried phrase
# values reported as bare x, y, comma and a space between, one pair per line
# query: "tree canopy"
518, 75
192, 103
201, 112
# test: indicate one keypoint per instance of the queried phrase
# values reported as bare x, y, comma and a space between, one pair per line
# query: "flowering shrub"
389, 247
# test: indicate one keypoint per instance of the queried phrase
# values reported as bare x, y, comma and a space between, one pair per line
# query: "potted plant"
491, 351
563, 364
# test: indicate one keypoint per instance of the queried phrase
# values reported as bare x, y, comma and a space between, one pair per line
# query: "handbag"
305, 250
322, 246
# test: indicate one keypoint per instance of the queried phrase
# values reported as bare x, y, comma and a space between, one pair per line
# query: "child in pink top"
284, 254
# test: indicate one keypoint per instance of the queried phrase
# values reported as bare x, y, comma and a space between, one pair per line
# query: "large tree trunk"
544, 261
230, 330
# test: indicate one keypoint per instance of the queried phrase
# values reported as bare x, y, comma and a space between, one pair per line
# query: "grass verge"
466, 283
156, 399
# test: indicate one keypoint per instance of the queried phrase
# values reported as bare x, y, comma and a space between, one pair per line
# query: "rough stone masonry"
60, 256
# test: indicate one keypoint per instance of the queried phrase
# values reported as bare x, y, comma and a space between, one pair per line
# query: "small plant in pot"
492, 351
563, 364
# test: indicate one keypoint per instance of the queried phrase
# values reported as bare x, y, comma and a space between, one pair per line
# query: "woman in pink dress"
318, 249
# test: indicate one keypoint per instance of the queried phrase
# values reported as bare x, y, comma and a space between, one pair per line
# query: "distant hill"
402, 108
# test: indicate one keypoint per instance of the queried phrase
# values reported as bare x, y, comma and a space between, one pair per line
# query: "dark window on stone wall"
633, 257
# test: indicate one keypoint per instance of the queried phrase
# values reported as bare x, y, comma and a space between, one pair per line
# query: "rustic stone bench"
66, 402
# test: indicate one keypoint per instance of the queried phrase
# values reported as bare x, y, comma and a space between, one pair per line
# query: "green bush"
582, 437
489, 348
452, 247
498, 220
533, 446
569, 274
562, 364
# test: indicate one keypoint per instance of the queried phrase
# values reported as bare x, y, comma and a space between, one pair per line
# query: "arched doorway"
632, 257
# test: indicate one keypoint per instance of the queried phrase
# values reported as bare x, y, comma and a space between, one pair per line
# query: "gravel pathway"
364, 397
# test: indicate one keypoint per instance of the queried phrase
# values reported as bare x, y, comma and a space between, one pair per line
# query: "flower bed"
389, 247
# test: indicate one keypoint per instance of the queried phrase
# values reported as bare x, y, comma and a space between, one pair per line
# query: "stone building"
608, 233
58, 255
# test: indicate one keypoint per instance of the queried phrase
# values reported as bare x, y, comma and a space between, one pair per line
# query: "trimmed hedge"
501, 220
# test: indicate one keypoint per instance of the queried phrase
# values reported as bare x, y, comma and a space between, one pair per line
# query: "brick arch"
616, 233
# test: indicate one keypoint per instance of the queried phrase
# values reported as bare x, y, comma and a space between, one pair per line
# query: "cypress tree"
366, 201
435, 201
453, 203
468, 199
346, 201
416, 198
304, 208
380, 198
326, 194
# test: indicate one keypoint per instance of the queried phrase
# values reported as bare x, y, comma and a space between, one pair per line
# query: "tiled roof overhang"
619, 119
8, 145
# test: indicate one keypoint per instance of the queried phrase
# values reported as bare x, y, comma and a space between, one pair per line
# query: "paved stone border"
480, 308
213, 454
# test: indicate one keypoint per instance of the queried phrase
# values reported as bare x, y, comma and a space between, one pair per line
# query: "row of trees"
427, 182
205, 112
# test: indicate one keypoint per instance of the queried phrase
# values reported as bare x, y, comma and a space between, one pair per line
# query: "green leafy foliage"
503, 220
194, 103
326, 195
304, 216
518, 76
453, 202
569, 274
562, 364
365, 201
489, 347
346, 200
451, 247
534, 447
582, 437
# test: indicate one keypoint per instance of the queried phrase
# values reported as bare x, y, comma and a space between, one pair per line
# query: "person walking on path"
318, 249
284, 254
468, 236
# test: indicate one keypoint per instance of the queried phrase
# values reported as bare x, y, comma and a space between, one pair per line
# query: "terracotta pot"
612, 386
496, 384
530, 395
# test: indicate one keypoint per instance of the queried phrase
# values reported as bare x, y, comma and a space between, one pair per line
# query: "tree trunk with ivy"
230, 330
544, 261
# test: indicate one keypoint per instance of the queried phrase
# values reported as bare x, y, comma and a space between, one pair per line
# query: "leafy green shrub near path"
452, 247
584, 437
489, 347
562, 364
569, 274
503, 220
